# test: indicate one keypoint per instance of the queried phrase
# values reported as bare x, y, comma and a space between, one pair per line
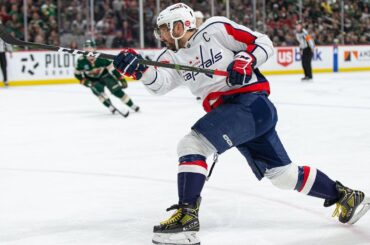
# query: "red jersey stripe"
199, 163
217, 96
240, 35
306, 173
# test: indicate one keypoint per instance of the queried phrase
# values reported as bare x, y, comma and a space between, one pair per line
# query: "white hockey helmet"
176, 12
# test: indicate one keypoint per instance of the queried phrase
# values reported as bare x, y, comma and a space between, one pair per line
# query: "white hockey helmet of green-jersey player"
172, 14
89, 45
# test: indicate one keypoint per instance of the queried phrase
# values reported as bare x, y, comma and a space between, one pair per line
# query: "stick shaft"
13, 41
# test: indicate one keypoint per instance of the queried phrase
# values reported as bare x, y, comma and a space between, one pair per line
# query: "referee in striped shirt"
307, 46
4, 47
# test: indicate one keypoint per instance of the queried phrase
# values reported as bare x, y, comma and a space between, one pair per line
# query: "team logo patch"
187, 23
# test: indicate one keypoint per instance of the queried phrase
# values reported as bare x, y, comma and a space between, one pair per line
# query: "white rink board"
35, 66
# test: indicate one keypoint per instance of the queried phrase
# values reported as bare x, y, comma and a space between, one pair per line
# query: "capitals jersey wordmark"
214, 57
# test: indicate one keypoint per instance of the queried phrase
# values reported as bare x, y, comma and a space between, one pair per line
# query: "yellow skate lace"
339, 210
342, 210
174, 218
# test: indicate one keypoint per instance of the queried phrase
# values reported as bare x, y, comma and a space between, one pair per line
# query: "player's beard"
170, 46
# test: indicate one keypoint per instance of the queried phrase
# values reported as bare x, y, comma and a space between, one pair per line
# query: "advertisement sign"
354, 58
40, 65
288, 60
285, 56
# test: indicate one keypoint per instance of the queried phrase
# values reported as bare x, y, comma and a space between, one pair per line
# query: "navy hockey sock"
315, 183
191, 177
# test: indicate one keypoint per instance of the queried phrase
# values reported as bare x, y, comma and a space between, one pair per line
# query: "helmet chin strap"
177, 38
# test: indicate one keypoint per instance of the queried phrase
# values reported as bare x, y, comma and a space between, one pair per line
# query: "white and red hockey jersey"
213, 46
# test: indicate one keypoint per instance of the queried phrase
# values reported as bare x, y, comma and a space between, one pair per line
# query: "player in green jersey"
97, 73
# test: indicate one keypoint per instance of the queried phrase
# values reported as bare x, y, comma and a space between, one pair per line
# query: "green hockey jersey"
96, 70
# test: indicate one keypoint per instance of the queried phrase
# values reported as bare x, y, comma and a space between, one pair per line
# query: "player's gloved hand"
127, 63
85, 82
240, 70
123, 82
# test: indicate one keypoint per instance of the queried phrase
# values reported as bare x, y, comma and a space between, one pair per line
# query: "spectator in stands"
199, 17
52, 24
363, 40
110, 24
102, 25
53, 38
127, 34
4, 15
100, 41
39, 39
118, 41
15, 11
36, 20
112, 16
73, 44
15, 27
78, 27
34, 31
48, 9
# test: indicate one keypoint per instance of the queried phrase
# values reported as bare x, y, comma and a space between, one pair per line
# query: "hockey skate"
348, 203
306, 79
135, 108
180, 228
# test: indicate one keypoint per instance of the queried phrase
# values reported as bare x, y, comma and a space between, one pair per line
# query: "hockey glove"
85, 82
240, 70
127, 63
123, 82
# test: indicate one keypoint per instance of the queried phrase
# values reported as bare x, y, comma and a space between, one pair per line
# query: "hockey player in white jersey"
239, 114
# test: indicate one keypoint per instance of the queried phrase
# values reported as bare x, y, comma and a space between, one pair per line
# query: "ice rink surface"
72, 173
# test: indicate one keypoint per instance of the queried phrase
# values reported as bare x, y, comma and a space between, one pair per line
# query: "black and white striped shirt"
305, 40
4, 47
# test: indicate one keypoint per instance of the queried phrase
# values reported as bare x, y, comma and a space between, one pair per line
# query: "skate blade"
365, 207
182, 238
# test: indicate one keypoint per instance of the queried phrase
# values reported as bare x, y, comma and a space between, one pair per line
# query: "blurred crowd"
41, 18
116, 22
322, 19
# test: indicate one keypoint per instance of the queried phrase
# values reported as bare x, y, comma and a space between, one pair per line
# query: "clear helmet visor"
158, 31
89, 49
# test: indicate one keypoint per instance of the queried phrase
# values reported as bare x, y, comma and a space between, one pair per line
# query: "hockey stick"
14, 41
120, 112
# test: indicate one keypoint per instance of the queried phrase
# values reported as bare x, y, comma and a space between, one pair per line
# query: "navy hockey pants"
246, 121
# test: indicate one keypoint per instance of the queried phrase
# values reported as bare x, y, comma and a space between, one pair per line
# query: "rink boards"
46, 67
